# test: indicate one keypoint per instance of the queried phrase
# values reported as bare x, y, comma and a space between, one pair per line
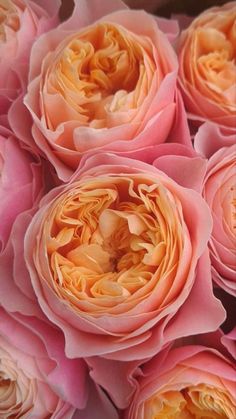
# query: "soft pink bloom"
116, 260
220, 193
21, 182
207, 72
38, 381
21, 22
105, 80
193, 381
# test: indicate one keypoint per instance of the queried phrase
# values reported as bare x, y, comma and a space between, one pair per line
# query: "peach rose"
187, 382
21, 22
32, 383
21, 182
115, 259
38, 381
207, 72
220, 193
104, 85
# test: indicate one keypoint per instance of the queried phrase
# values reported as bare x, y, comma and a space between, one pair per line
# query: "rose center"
102, 245
98, 72
193, 402
8, 18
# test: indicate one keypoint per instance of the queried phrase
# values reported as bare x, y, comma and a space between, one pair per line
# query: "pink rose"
21, 182
117, 262
36, 379
207, 72
193, 381
21, 22
220, 193
103, 80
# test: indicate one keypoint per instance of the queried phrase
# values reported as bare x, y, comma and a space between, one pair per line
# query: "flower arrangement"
118, 211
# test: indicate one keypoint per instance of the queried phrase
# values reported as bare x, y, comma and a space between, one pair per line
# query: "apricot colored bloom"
109, 85
115, 254
192, 382
21, 22
207, 73
32, 371
220, 193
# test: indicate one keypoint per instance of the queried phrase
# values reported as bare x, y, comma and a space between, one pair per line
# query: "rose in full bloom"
37, 381
115, 259
106, 84
184, 383
219, 192
21, 22
207, 73
21, 182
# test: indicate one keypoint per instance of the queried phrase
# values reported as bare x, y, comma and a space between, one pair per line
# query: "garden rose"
220, 193
32, 379
104, 85
207, 71
187, 382
37, 381
21, 182
114, 255
21, 22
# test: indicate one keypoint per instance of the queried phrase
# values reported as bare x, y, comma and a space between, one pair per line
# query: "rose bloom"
109, 86
21, 22
113, 255
207, 71
220, 193
21, 182
37, 381
187, 382
28, 373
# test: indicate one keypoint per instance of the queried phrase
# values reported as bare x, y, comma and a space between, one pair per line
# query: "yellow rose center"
97, 72
9, 19
193, 402
109, 239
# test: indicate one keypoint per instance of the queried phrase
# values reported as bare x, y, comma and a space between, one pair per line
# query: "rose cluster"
118, 212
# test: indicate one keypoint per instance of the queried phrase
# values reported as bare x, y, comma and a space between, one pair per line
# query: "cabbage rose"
21, 22
103, 80
219, 191
114, 255
207, 72
187, 382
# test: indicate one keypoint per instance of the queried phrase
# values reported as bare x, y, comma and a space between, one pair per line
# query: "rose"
21, 182
107, 86
186, 382
21, 22
220, 193
207, 72
32, 377
36, 379
114, 259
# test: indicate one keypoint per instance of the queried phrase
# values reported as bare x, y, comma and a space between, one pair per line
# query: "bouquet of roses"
118, 212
